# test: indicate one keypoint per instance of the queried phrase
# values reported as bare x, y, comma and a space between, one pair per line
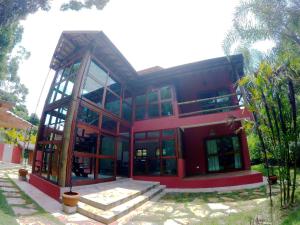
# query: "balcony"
208, 105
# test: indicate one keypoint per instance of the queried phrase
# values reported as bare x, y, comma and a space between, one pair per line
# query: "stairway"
108, 205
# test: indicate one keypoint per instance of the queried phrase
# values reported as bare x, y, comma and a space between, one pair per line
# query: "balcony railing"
223, 103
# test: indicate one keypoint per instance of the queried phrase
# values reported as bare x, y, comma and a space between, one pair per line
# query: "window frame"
159, 102
161, 157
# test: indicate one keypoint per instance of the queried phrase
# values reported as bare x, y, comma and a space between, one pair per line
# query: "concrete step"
108, 199
111, 215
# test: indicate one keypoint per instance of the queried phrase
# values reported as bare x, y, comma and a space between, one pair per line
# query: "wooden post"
70, 123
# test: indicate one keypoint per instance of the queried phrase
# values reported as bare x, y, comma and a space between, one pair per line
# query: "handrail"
207, 99
209, 110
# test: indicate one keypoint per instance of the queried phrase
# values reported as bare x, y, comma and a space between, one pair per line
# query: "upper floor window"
64, 82
101, 89
154, 103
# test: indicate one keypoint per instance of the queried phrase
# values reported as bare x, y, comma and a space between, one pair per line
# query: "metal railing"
215, 104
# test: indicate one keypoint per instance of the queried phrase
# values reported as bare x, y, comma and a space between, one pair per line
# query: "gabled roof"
97, 41
10, 120
110, 56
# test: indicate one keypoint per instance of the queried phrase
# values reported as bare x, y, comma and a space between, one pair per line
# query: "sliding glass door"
223, 154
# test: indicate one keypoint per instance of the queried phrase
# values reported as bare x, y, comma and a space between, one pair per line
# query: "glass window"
107, 146
109, 124
106, 168
141, 135
112, 103
69, 85
223, 154
126, 112
127, 97
152, 96
140, 99
166, 133
93, 90
83, 168
140, 112
66, 72
75, 68
58, 76
165, 93
154, 166
169, 166
98, 73
114, 86
168, 147
85, 141
166, 109
88, 116
124, 131
153, 134
153, 110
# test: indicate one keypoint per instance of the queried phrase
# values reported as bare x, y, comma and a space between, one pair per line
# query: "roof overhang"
233, 63
10, 120
72, 41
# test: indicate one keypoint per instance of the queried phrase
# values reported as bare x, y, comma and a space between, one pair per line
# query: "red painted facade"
45, 186
197, 102
1, 151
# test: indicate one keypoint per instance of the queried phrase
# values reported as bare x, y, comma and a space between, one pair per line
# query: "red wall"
175, 182
1, 150
174, 121
16, 155
45, 186
194, 145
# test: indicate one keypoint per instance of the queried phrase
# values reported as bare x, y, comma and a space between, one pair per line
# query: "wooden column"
70, 124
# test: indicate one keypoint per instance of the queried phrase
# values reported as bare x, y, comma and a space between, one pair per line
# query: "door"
223, 154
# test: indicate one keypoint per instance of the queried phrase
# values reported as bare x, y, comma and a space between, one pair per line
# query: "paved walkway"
26, 210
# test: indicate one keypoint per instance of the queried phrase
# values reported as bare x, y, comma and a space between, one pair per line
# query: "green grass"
41, 213
6, 214
293, 218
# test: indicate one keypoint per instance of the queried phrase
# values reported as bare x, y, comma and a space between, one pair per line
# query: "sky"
149, 33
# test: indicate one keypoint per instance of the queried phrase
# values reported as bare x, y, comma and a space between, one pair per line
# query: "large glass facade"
64, 82
155, 153
101, 89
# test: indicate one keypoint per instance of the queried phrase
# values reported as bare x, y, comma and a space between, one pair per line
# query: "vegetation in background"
13, 136
271, 86
11, 13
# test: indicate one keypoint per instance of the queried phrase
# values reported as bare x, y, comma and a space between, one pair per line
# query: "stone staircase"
110, 204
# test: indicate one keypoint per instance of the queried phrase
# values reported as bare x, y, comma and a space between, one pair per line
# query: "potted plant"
23, 174
70, 199
272, 177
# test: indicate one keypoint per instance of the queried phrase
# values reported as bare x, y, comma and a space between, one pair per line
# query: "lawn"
7, 215
289, 216
244, 207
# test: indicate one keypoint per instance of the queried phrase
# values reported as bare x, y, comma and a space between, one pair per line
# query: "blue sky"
148, 33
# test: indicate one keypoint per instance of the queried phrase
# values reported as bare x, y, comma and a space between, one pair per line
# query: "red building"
180, 126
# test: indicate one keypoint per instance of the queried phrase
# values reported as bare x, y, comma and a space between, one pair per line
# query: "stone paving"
172, 209
25, 211
48, 212
238, 207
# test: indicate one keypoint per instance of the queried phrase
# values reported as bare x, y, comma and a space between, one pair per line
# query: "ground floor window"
155, 153
223, 154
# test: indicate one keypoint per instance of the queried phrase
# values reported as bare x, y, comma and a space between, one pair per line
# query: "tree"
270, 95
11, 12
259, 20
34, 119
